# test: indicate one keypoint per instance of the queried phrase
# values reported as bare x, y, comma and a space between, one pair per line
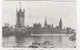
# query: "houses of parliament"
39, 33
37, 27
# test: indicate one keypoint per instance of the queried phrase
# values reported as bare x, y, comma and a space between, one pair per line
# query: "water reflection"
13, 41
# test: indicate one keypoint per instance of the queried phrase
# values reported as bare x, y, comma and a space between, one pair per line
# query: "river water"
35, 42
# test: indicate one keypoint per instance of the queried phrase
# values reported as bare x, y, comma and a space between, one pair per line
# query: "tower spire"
45, 21
60, 24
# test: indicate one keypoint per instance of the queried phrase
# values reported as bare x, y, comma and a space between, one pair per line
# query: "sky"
36, 11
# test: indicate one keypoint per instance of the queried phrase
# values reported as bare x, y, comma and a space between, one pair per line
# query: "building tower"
20, 16
60, 24
45, 22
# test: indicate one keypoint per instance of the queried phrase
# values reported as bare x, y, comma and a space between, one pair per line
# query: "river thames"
38, 42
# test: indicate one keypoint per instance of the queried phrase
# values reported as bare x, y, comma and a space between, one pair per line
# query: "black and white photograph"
39, 24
